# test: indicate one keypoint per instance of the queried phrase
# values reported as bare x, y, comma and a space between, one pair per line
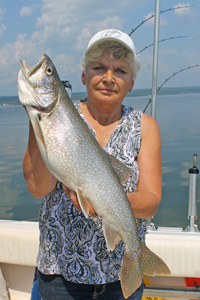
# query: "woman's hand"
73, 196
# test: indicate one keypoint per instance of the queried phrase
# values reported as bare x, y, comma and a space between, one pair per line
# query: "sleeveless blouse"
70, 244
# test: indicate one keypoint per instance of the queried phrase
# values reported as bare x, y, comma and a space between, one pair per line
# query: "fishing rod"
163, 40
161, 12
167, 79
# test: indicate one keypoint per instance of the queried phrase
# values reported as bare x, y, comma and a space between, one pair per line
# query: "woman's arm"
146, 199
39, 179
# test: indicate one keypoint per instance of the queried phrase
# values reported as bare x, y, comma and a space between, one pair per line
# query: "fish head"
39, 87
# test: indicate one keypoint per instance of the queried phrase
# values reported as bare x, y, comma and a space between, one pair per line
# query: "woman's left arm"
146, 199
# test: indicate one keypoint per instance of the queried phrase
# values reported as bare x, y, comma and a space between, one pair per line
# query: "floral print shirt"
74, 246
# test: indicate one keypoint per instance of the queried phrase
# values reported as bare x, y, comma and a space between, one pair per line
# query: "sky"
62, 29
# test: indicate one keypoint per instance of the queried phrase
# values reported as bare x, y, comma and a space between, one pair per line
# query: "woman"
73, 261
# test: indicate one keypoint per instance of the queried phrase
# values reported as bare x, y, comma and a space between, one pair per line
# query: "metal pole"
154, 74
155, 58
193, 187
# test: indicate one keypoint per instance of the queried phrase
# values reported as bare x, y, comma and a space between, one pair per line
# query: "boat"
18, 250
178, 247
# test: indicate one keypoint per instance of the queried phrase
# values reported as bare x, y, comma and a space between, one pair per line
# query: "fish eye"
49, 71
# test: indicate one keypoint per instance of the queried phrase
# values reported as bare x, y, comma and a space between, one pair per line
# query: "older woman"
73, 261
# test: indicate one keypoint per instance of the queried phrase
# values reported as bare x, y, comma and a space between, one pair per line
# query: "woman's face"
108, 80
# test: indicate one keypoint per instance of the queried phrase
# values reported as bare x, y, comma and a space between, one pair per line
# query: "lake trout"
74, 157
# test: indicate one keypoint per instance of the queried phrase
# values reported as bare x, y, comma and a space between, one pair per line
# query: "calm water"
178, 117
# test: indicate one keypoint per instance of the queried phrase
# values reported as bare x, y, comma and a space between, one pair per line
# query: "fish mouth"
28, 86
41, 109
27, 70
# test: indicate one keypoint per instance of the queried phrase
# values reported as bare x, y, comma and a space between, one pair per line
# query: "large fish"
74, 157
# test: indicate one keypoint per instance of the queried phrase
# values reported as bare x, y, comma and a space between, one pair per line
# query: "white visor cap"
112, 35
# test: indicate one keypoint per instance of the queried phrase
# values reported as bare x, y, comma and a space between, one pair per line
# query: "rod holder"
193, 185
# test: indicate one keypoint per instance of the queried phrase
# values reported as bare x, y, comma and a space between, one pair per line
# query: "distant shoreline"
13, 100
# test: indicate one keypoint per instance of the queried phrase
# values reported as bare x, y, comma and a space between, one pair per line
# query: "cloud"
2, 11
93, 26
83, 38
76, 11
27, 10
68, 12
184, 15
191, 56
170, 52
182, 11
109, 22
162, 67
67, 23
2, 29
66, 65
67, 27
146, 60
11, 54
150, 22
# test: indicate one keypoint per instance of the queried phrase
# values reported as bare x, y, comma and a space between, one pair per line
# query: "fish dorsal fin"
111, 235
122, 171
83, 203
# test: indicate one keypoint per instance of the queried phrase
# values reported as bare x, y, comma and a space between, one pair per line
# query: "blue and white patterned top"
74, 246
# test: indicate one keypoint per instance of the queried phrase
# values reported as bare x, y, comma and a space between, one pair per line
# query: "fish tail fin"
135, 265
152, 264
130, 275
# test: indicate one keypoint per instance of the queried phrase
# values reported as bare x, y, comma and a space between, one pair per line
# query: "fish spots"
135, 255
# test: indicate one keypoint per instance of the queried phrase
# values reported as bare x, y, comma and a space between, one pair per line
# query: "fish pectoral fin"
39, 134
33, 115
84, 204
122, 171
111, 235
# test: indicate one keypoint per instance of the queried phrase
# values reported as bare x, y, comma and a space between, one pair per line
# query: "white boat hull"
180, 250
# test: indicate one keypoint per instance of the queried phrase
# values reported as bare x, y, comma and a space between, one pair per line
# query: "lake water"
178, 117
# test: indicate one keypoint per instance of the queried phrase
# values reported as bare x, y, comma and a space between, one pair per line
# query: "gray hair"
112, 50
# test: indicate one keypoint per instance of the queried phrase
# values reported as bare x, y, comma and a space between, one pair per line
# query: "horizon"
139, 89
